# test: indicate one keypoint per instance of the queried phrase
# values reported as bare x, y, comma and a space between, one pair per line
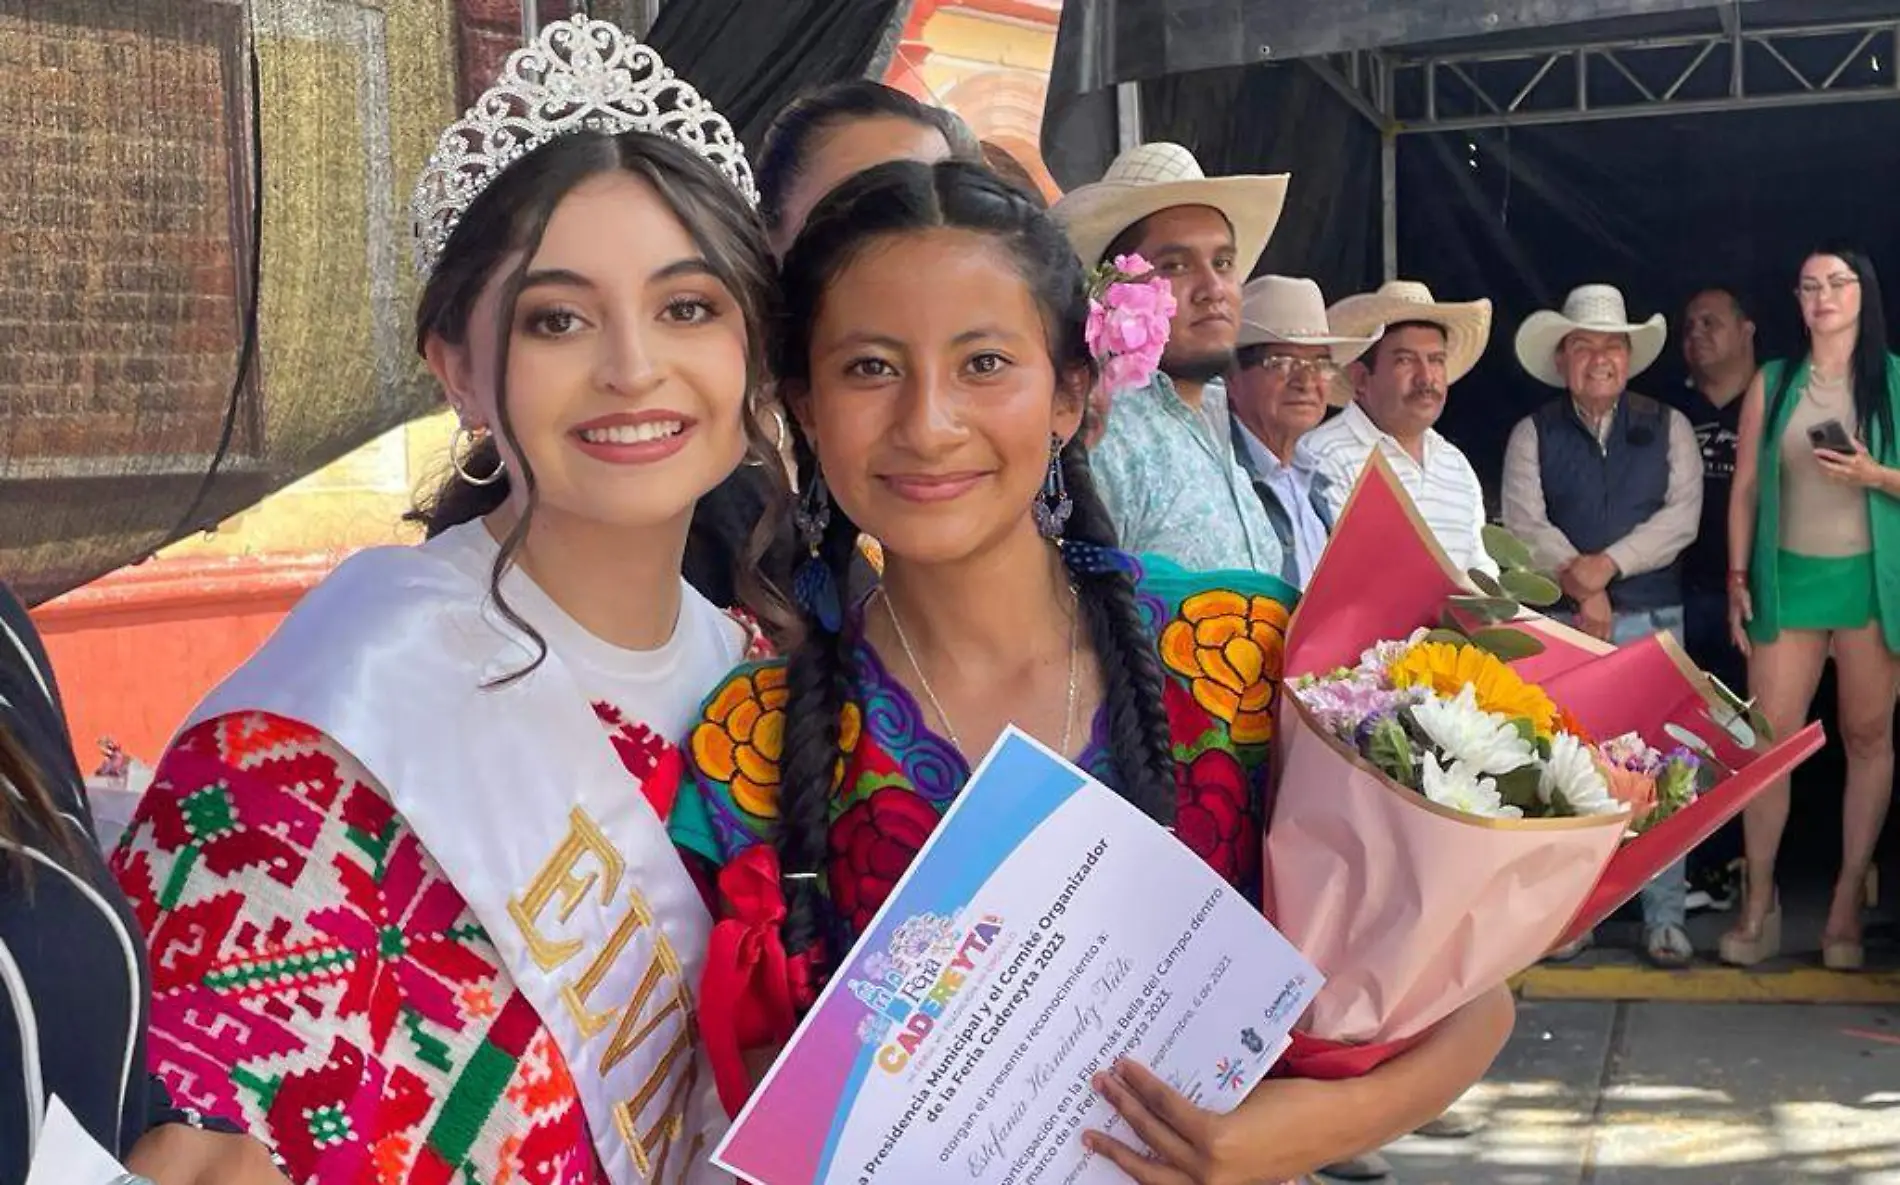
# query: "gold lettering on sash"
652, 1147
659, 1010
561, 876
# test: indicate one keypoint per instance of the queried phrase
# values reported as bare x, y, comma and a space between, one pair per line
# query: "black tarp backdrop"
1104, 42
131, 409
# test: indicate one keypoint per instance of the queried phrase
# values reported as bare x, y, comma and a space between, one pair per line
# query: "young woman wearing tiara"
939, 415
413, 914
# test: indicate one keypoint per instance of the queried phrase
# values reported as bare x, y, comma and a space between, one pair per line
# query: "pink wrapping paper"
1412, 910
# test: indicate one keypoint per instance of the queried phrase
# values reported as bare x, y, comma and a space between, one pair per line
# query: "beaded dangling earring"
1053, 506
813, 585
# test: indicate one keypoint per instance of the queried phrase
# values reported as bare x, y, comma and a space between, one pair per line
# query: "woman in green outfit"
1814, 565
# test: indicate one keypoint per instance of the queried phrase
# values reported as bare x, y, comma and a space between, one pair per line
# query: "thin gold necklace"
936, 705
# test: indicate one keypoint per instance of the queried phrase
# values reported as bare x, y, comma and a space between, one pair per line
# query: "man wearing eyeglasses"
1287, 361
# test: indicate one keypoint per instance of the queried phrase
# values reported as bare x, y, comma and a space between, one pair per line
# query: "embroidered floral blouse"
317, 978
1219, 636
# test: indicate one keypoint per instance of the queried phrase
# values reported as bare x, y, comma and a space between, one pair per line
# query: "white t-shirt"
660, 688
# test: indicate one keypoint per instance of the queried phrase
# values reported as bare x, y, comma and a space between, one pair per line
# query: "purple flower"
1342, 705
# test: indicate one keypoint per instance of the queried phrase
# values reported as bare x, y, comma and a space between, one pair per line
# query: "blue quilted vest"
1598, 493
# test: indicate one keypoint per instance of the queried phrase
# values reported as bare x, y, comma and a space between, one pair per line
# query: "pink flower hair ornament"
1129, 311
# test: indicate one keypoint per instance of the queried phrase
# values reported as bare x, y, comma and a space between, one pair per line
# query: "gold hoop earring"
459, 453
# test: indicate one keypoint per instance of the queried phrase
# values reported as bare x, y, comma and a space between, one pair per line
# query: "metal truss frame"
1734, 69
1402, 93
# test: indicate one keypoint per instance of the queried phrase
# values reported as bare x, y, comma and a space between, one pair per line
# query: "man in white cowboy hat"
1165, 464
1397, 391
1605, 485
1286, 369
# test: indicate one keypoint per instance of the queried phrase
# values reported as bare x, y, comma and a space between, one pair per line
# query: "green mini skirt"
1826, 592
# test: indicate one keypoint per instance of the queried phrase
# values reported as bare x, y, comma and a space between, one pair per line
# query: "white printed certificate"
1045, 930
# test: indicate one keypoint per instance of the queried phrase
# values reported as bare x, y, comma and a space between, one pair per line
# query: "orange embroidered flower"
741, 738
1229, 646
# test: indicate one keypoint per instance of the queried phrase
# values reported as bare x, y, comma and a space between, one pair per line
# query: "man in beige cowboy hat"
1286, 370
1605, 485
1398, 391
1165, 463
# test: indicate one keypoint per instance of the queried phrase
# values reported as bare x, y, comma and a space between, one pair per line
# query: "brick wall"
119, 262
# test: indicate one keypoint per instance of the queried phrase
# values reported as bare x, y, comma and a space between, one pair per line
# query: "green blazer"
1883, 513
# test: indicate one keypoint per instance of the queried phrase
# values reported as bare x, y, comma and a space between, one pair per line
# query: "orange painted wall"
136, 651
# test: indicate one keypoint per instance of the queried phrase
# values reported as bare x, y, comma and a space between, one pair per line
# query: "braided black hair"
891, 200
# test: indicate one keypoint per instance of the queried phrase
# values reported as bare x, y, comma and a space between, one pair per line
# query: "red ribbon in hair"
752, 992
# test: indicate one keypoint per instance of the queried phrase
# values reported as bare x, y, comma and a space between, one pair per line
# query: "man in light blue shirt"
1166, 464
1287, 364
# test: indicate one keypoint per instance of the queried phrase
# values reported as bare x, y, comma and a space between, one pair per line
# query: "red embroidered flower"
871, 846
1212, 816
316, 1117
398, 925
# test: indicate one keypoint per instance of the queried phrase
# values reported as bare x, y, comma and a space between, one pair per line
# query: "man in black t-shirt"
1718, 343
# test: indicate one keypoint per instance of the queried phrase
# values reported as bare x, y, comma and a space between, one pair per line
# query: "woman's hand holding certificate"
1047, 932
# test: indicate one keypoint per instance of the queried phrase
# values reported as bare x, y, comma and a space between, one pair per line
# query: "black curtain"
1284, 119
752, 58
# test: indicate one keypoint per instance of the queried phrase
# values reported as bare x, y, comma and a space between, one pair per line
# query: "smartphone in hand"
1830, 435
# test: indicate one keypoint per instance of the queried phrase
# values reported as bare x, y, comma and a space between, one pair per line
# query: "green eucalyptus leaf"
1508, 644
1484, 582
1531, 588
1488, 610
1450, 637
1507, 549
1448, 622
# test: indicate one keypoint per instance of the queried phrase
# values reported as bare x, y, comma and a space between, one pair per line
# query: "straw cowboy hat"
1467, 324
1150, 178
1287, 310
1594, 308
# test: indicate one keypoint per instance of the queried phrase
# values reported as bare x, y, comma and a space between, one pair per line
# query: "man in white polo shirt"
1399, 390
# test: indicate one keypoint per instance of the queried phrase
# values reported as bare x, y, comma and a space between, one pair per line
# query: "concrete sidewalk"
1603, 1093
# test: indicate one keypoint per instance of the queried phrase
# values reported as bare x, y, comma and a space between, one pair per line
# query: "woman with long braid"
932, 354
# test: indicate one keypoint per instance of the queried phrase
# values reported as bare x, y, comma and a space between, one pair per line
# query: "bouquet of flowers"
1451, 721
1444, 813
1129, 311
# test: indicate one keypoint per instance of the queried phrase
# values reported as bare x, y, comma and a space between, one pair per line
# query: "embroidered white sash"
518, 794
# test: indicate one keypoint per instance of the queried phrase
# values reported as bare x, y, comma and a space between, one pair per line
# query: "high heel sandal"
1839, 954
1740, 949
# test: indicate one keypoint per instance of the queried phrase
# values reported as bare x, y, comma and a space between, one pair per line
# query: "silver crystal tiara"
578, 75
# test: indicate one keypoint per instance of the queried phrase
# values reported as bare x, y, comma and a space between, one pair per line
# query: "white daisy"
1571, 781
1462, 789
1469, 736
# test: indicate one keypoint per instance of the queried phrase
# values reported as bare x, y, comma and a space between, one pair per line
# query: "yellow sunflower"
1448, 668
